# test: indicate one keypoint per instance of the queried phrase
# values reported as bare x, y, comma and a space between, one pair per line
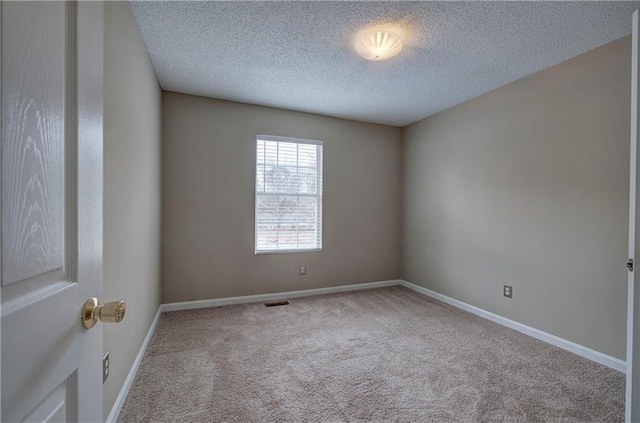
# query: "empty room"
319, 211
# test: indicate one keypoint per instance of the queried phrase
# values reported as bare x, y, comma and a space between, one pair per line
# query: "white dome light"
378, 45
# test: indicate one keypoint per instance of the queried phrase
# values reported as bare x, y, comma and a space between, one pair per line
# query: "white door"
51, 209
633, 299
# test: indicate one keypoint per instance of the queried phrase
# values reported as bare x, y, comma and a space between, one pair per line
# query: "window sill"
259, 253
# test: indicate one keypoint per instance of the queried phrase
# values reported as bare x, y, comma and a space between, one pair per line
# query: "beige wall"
132, 115
528, 186
208, 201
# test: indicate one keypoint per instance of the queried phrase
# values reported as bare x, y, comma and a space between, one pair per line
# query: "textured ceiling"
299, 56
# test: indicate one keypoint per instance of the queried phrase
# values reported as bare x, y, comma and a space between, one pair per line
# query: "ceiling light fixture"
378, 45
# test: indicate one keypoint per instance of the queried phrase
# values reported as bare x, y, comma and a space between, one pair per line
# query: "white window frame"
318, 195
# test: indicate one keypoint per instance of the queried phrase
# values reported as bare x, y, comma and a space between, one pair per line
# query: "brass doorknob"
112, 312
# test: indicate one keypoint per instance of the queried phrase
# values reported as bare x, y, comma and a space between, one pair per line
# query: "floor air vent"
276, 303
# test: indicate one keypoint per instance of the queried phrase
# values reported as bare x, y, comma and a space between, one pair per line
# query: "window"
288, 194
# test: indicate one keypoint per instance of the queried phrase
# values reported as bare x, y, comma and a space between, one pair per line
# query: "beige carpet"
386, 354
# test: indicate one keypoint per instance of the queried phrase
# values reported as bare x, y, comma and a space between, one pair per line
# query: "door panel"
51, 209
34, 130
54, 407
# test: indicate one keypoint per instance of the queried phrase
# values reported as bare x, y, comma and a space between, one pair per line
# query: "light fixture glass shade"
378, 45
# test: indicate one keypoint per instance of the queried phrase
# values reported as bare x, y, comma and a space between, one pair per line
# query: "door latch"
630, 265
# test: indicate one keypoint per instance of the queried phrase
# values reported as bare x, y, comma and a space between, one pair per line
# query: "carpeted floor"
386, 354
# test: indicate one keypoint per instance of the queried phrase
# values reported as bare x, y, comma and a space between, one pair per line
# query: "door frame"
632, 408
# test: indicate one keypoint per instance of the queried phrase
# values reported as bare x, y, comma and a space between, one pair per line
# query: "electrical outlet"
303, 269
507, 291
105, 367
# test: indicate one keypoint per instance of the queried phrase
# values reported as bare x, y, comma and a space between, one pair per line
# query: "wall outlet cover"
507, 291
105, 367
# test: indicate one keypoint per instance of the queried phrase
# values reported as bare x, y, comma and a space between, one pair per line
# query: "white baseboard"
578, 349
189, 305
124, 391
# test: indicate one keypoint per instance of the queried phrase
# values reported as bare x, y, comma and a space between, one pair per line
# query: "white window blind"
288, 194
